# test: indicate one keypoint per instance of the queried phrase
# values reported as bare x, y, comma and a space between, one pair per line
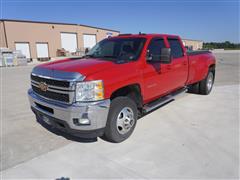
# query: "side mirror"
166, 57
149, 57
153, 58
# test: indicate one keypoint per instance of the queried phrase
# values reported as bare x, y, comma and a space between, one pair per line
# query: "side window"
154, 49
176, 48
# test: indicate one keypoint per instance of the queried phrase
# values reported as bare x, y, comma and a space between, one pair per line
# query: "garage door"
42, 50
24, 48
69, 41
89, 40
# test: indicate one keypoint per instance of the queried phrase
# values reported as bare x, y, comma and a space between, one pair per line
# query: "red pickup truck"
103, 93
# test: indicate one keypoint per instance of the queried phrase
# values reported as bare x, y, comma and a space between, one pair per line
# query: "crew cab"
103, 93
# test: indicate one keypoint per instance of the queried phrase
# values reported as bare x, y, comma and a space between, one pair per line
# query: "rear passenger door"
179, 66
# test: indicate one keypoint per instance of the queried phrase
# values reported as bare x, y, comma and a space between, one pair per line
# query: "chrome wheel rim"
125, 120
210, 81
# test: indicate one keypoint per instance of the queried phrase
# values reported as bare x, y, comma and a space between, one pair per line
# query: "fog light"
83, 121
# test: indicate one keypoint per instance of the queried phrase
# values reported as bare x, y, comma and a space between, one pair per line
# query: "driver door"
155, 75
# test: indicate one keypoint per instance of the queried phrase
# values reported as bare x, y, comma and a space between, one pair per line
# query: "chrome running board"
163, 100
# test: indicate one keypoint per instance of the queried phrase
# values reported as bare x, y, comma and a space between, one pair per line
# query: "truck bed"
192, 53
198, 65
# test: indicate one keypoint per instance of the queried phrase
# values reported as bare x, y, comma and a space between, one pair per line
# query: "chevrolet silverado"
103, 93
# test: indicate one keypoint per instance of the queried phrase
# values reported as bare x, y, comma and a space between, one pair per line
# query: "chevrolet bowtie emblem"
43, 86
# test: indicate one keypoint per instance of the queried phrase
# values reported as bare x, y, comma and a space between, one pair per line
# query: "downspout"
5, 34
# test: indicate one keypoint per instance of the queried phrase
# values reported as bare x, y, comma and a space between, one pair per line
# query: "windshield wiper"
106, 56
88, 56
97, 57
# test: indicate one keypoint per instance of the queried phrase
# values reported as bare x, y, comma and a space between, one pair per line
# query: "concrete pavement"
193, 137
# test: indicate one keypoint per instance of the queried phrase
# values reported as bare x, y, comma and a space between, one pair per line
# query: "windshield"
118, 49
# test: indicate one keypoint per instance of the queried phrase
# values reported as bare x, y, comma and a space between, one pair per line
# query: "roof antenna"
140, 33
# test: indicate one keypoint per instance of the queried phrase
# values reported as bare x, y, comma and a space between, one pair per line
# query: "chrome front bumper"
96, 112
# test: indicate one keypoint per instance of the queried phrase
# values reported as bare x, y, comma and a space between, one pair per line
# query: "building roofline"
192, 39
44, 22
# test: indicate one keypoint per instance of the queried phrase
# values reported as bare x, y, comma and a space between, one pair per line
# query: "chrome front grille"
50, 81
57, 90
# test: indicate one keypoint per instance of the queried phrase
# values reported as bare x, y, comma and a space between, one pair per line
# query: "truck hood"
85, 67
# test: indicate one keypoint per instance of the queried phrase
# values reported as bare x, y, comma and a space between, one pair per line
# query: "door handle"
169, 67
184, 63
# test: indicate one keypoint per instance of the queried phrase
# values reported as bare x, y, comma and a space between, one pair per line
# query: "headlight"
89, 91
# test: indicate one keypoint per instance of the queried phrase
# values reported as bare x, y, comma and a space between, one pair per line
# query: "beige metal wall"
195, 44
51, 33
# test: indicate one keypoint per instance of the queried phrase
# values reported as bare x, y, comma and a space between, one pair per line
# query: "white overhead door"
42, 50
69, 41
24, 48
89, 40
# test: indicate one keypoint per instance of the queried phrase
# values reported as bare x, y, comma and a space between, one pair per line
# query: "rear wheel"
122, 119
205, 86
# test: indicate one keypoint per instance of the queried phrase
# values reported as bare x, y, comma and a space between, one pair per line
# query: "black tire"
111, 133
204, 88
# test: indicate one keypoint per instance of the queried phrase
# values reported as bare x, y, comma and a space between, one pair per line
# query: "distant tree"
221, 45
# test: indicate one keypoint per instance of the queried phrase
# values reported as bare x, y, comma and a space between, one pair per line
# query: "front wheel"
122, 119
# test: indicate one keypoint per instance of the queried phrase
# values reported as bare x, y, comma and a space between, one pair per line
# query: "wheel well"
212, 67
132, 91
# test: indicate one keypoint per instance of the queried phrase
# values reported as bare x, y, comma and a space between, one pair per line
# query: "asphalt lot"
193, 137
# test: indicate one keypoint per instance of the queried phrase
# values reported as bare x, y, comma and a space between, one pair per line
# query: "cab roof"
146, 35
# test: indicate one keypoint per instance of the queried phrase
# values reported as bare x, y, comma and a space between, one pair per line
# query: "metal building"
44, 39
193, 44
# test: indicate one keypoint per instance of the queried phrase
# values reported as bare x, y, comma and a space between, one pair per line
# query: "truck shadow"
63, 134
188, 92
